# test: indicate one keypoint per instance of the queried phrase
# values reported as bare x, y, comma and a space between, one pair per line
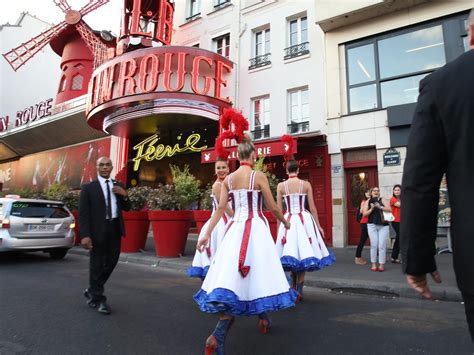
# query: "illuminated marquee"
147, 75
147, 150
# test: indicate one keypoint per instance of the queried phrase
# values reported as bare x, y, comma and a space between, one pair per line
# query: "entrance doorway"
358, 180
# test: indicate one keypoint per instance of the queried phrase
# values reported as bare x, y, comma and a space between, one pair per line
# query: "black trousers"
469, 308
364, 234
396, 244
103, 259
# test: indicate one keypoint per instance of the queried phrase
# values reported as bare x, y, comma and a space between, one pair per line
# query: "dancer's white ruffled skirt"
302, 247
265, 288
202, 261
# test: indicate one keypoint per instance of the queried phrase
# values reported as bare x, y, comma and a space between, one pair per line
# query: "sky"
106, 17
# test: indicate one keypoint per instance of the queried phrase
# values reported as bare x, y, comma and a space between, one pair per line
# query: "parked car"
35, 225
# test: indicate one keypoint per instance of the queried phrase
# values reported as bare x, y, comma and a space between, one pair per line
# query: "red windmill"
24, 52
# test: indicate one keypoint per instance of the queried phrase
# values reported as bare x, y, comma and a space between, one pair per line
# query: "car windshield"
38, 210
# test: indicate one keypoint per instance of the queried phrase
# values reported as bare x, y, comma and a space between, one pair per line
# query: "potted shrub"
169, 213
169, 225
136, 220
202, 215
273, 182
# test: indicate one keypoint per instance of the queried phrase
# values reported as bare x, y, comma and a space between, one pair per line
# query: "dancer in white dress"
201, 261
300, 248
246, 276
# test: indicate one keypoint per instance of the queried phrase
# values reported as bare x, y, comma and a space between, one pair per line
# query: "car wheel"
58, 254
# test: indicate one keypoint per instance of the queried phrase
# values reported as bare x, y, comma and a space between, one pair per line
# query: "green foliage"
163, 198
138, 196
27, 192
186, 186
272, 179
61, 192
56, 192
206, 199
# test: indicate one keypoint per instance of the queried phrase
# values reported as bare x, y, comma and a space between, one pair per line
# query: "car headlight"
72, 225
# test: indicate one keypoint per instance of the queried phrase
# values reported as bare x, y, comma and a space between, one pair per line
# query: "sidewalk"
343, 276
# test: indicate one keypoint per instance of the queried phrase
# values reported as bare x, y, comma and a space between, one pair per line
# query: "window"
222, 45
62, 84
298, 104
386, 71
298, 38
262, 42
261, 117
194, 9
77, 81
261, 49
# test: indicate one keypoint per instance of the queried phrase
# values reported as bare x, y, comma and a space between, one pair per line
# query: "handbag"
386, 217
358, 216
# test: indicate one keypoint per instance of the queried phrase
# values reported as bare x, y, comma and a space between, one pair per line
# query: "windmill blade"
97, 47
63, 5
24, 52
92, 5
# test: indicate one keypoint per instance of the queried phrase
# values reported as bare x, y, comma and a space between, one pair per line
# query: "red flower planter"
201, 217
272, 221
170, 231
136, 231
77, 235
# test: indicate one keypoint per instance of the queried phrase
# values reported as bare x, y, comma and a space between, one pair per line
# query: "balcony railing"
298, 127
192, 17
260, 61
261, 132
296, 50
218, 3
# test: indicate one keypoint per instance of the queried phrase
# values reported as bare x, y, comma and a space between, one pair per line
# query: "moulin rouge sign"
29, 114
154, 73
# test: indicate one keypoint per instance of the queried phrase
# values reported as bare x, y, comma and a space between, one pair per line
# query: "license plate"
40, 227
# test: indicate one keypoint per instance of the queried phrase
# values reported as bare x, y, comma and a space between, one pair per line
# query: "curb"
350, 286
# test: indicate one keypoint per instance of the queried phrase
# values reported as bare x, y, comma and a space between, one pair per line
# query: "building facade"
376, 53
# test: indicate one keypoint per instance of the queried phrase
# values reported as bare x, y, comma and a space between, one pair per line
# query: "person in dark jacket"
441, 142
101, 226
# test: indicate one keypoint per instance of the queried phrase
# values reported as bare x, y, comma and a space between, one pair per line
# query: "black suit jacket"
441, 141
92, 211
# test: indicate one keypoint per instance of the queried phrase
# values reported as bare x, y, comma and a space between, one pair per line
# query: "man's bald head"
104, 167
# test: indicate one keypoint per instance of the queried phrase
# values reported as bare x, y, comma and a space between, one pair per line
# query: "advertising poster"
73, 166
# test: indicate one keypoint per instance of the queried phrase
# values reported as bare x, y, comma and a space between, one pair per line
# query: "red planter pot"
136, 231
77, 235
272, 221
201, 217
170, 231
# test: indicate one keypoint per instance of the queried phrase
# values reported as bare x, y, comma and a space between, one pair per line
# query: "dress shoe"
90, 302
359, 261
104, 308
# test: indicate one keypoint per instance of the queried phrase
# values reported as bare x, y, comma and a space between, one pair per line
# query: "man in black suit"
101, 226
441, 141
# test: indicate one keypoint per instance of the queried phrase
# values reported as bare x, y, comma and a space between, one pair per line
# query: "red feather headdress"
289, 144
240, 125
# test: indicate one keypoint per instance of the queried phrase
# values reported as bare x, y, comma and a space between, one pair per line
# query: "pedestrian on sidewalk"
301, 248
441, 143
246, 276
395, 204
101, 226
364, 234
378, 229
202, 261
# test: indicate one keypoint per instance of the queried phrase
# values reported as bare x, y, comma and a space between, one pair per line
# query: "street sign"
391, 157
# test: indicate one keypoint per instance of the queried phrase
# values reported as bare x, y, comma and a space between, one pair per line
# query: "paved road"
42, 311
